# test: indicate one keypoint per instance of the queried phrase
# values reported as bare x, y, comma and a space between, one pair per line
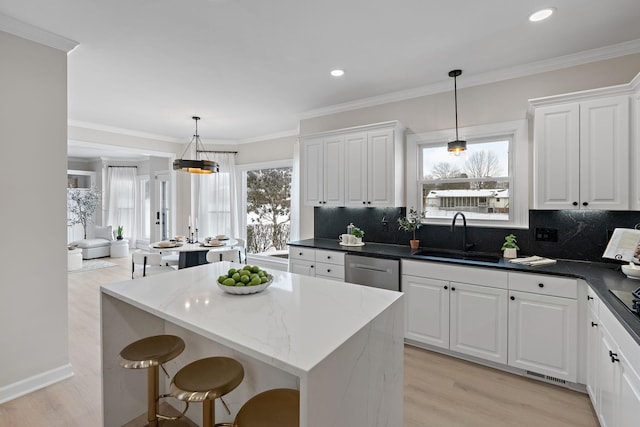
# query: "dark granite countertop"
600, 276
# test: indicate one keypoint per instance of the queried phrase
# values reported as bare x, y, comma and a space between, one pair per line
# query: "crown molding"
123, 131
584, 57
19, 28
277, 135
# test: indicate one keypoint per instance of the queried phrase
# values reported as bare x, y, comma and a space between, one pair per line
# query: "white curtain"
121, 200
217, 211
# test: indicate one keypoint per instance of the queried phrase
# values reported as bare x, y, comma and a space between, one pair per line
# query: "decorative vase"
415, 244
510, 253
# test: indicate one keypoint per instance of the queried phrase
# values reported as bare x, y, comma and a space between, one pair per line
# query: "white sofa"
98, 242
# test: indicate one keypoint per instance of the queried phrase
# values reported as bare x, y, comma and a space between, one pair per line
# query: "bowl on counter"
632, 271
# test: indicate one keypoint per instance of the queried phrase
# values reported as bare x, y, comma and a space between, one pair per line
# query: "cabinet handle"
300, 253
312, 266
585, 203
575, 203
541, 285
446, 287
512, 298
613, 356
369, 202
453, 289
328, 256
328, 270
364, 203
593, 324
589, 297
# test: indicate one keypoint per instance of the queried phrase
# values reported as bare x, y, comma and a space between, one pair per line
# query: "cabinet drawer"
330, 257
544, 285
453, 273
305, 254
330, 270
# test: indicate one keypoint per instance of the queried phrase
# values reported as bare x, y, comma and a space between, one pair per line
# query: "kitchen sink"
467, 256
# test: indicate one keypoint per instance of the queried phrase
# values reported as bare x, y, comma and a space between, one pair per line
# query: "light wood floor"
439, 391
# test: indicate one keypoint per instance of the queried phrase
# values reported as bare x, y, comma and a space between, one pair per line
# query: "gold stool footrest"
171, 417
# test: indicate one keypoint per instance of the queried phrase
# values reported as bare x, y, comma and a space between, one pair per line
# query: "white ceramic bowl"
632, 271
245, 290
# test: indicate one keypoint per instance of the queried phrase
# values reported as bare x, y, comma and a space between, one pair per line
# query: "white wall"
489, 103
33, 288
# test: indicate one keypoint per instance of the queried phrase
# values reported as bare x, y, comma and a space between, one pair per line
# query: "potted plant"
510, 246
119, 235
411, 223
82, 204
358, 233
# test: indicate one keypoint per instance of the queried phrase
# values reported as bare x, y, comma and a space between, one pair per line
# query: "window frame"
516, 131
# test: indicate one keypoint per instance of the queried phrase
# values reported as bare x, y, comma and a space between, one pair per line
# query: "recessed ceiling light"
541, 15
337, 73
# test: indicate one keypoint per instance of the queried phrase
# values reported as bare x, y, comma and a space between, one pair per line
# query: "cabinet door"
556, 157
628, 408
604, 153
312, 172
593, 355
479, 321
333, 173
381, 173
543, 334
427, 310
356, 169
306, 268
607, 381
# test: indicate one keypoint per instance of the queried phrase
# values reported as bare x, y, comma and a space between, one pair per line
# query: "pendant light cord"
195, 138
455, 97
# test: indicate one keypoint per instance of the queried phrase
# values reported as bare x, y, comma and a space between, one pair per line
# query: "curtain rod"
122, 167
213, 151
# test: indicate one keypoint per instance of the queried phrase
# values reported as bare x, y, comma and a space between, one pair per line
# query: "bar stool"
273, 408
149, 353
206, 380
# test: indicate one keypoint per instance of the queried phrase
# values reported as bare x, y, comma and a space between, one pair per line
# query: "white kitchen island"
341, 345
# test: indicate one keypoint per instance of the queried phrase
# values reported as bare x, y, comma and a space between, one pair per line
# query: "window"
144, 209
473, 183
266, 201
481, 182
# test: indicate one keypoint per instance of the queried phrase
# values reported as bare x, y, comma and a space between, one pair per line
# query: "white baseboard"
35, 382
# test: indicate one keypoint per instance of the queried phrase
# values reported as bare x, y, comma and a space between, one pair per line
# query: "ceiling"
252, 68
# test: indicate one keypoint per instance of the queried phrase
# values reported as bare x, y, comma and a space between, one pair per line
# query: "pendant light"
458, 146
197, 165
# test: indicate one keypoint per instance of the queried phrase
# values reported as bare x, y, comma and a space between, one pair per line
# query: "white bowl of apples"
246, 280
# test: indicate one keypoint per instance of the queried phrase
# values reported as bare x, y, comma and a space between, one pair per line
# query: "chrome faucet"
465, 247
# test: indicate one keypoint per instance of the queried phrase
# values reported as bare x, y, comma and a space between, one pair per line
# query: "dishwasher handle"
368, 267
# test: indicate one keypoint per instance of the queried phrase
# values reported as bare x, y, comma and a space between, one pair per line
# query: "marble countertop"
600, 276
293, 325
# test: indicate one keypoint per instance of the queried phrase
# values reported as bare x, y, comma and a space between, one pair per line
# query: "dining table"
192, 254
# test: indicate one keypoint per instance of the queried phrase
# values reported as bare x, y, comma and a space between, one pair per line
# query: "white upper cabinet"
582, 150
581, 155
323, 171
362, 166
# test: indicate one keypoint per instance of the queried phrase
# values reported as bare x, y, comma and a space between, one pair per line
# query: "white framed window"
143, 209
488, 182
257, 223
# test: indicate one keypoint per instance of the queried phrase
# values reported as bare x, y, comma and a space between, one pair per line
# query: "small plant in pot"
119, 235
357, 232
411, 223
510, 246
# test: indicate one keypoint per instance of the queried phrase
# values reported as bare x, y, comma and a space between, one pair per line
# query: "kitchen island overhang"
340, 344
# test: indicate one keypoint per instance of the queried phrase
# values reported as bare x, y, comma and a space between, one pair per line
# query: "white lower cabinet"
444, 311
543, 334
427, 310
317, 263
612, 382
478, 321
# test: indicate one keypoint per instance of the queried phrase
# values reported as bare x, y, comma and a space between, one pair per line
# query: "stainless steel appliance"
375, 272
630, 299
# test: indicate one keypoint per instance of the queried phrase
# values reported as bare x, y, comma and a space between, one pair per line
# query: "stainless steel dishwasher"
375, 272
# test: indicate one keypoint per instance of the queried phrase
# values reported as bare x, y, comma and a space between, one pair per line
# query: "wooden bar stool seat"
150, 353
206, 380
272, 408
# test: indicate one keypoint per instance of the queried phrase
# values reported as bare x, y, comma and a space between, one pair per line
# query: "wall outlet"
546, 234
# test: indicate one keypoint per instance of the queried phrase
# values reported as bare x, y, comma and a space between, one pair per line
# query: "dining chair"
242, 247
231, 254
151, 264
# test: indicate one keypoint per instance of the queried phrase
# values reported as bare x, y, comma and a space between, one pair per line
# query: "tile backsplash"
581, 235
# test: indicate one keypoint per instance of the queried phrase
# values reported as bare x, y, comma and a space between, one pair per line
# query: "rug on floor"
94, 264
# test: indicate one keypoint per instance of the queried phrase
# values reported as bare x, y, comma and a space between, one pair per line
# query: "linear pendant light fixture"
458, 146
197, 165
